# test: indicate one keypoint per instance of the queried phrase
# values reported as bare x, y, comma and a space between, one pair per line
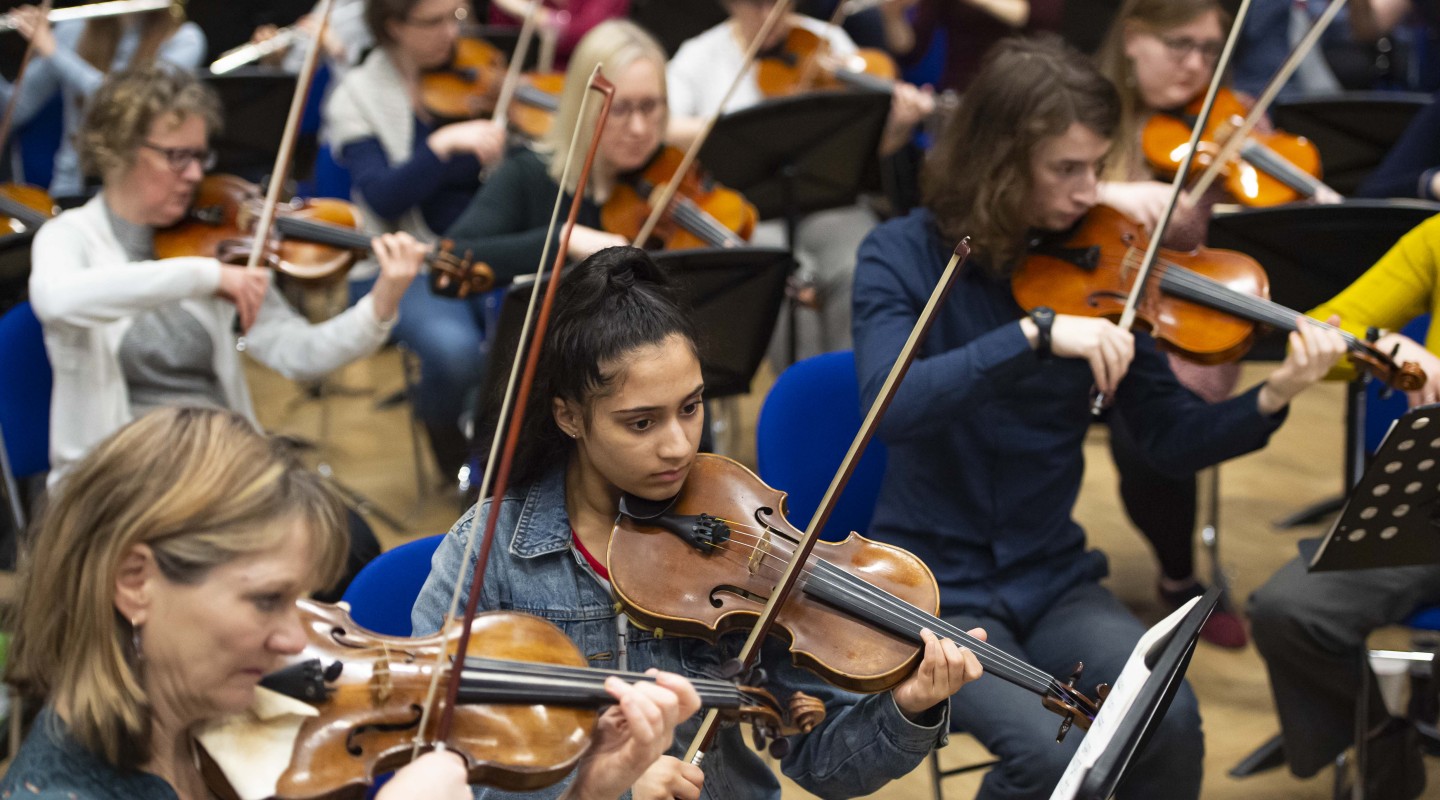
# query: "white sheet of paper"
1116, 707
253, 749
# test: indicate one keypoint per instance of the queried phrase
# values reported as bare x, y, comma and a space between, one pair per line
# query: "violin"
468, 86
537, 96
1204, 304
527, 707
23, 208
317, 239
1272, 168
800, 64
702, 214
704, 562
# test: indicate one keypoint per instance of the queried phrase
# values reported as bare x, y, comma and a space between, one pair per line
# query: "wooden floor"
370, 451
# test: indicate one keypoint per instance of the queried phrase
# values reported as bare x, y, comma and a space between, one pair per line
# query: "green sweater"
505, 223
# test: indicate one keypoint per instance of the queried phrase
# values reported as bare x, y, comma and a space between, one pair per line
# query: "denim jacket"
864, 742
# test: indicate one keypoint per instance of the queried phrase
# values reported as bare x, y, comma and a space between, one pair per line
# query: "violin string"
916, 617
701, 223
1233, 301
583, 680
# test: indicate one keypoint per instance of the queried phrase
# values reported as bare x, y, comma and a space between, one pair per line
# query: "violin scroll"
458, 276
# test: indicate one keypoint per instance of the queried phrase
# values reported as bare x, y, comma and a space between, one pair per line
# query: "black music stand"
674, 21
791, 156
256, 101
1166, 650
733, 294
1392, 516
1352, 130
1311, 253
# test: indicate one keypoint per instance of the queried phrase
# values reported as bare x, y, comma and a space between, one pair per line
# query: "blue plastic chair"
805, 428
25, 381
1380, 412
382, 595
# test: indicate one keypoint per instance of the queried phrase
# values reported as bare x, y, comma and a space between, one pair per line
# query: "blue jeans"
1087, 624
449, 337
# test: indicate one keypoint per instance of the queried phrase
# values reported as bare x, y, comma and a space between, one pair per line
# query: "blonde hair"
129, 102
1127, 163
200, 488
612, 45
977, 176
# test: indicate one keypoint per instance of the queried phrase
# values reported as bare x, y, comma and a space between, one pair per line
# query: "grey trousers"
1086, 624
1311, 630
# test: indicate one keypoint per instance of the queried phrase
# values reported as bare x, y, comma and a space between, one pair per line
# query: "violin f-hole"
353, 746
719, 602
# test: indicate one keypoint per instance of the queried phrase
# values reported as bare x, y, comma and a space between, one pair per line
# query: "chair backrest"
383, 593
25, 380
805, 428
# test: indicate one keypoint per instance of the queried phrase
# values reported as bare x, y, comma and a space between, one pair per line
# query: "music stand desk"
1352, 130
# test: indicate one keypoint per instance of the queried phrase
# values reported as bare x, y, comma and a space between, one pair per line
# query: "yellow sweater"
1400, 287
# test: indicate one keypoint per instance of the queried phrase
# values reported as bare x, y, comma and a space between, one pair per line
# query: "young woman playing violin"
73, 59
506, 223
412, 173
698, 78
986, 432
617, 408
178, 549
1311, 627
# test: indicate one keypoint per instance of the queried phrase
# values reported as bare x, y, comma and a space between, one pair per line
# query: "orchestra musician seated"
126, 332
986, 433
161, 588
618, 408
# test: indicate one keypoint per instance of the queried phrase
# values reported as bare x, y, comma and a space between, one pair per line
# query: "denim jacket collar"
544, 525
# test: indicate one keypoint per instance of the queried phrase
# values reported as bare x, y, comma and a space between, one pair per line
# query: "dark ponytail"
609, 305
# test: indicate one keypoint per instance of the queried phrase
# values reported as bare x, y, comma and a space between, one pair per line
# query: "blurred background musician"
1311, 627
698, 77
414, 172
73, 58
127, 333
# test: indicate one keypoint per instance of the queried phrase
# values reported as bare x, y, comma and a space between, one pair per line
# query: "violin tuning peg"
1065, 728
779, 748
1076, 673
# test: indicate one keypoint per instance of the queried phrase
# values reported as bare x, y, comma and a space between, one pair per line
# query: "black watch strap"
1044, 318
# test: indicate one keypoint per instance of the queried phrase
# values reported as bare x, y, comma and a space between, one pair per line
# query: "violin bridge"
759, 553
382, 684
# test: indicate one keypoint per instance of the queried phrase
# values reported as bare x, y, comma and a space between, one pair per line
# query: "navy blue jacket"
986, 439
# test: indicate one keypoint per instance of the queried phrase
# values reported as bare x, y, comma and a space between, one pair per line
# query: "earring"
135, 628
574, 436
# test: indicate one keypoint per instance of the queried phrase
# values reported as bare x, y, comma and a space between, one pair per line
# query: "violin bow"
517, 58
19, 79
1152, 250
806, 79
517, 393
657, 209
281, 171
1262, 103
801, 555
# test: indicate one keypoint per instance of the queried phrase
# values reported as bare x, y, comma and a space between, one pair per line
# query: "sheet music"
1116, 706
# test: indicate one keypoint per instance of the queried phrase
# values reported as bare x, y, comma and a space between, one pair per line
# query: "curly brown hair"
129, 102
977, 178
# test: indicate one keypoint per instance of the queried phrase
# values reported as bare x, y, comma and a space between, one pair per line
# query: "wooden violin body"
1205, 304
1091, 273
536, 98
468, 86
799, 65
23, 208
702, 214
1273, 168
705, 562
527, 706
224, 215
369, 720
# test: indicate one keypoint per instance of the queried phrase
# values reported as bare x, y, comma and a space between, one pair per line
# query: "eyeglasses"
456, 17
180, 158
649, 109
1181, 47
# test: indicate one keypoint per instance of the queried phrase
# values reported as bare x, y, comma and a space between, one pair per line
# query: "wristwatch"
1044, 317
